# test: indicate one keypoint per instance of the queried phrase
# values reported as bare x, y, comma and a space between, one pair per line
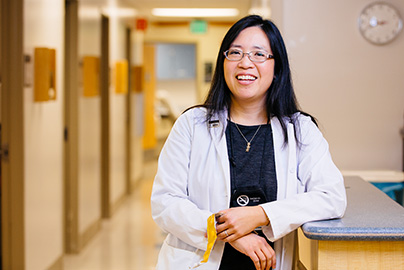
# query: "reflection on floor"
130, 240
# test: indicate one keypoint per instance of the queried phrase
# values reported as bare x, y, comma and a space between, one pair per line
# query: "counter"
369, 236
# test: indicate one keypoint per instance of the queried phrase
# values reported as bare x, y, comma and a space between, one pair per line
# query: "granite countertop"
370, 215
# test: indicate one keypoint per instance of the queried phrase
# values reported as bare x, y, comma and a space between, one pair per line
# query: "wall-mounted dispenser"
91, 76
121, 77
44, 74
137, 79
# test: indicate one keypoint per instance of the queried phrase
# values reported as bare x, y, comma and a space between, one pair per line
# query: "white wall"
354, 88
89, 144
43, 124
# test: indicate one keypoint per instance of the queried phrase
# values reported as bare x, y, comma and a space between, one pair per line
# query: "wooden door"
149, 139
12, 139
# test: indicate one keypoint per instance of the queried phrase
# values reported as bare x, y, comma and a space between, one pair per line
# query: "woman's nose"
245, 62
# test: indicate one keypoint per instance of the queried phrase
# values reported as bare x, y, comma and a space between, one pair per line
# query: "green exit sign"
199, 27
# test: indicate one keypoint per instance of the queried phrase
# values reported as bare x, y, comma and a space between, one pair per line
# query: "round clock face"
380, 23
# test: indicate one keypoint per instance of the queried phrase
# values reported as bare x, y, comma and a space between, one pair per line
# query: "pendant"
248, 147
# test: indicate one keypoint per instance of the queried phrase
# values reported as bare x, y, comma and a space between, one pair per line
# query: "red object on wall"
141, 24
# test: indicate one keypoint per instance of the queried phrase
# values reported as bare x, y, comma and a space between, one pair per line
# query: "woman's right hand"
258, 249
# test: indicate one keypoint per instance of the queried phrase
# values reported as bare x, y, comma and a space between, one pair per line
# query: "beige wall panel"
89, 162
43, 27
117, 118
117, 147
354, 88
89, 187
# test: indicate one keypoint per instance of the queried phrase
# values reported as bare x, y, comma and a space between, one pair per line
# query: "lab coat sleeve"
320, 192
172, 208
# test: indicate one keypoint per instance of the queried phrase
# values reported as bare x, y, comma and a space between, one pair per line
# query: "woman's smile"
246, 78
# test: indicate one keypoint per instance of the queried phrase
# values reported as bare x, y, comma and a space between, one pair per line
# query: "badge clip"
214, 123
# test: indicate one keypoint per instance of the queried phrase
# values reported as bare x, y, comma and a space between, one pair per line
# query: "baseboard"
300, 266
89, 233
115, 205
57, 265
134, 185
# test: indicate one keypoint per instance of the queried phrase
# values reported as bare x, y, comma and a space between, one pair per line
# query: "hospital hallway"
90, 89
129, 240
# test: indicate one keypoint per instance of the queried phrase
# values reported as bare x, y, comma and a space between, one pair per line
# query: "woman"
249, 155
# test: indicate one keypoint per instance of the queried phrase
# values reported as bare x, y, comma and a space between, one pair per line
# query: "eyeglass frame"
268, 55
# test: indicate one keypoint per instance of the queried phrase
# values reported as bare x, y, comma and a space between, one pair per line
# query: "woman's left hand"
236, 222
257, 248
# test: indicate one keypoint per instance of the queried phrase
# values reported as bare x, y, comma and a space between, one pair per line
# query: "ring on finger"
226, 233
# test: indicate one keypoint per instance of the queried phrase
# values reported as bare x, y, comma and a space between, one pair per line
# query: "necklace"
248, 142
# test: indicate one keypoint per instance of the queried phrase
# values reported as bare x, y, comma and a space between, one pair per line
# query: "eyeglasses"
254, 56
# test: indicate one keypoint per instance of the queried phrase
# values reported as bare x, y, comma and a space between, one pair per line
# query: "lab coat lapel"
281, 157
217, 127
285, 159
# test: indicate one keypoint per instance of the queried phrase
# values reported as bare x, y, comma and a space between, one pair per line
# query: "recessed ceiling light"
195, 12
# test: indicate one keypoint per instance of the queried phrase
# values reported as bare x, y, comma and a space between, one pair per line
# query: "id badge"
248, 196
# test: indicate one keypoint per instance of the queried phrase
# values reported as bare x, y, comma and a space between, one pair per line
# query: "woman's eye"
233, 52
259, 54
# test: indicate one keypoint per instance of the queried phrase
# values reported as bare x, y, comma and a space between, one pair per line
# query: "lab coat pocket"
171, 257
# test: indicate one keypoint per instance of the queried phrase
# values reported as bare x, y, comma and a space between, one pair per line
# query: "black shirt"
251, 173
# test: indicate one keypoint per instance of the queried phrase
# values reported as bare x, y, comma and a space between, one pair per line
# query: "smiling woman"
250, 158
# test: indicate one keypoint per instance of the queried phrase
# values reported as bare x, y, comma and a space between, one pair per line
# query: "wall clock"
380, 23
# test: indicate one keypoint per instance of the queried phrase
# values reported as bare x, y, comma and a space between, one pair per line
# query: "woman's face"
249, 81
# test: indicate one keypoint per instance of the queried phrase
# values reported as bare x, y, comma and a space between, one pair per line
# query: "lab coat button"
292, 170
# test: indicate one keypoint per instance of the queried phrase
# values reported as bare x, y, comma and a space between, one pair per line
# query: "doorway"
176, 87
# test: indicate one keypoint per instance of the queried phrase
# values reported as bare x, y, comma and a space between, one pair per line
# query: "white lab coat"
193, 182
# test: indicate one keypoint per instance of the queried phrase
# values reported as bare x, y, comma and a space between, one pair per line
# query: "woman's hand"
258, 249
236, 222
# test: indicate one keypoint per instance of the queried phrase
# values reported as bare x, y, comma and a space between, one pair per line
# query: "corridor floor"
130, 240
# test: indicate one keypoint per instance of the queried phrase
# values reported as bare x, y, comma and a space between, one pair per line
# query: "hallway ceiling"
143, 7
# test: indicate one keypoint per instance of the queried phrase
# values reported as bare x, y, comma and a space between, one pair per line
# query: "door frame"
128, 124
106, 209
12, 139
71, 230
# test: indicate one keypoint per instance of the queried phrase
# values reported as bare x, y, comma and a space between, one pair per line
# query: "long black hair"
281, 100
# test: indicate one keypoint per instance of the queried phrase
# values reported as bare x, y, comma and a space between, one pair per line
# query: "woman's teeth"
246, 77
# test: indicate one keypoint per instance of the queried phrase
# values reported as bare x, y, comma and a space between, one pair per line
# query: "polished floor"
130, 240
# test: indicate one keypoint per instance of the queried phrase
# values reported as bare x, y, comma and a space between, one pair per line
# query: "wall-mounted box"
91, 76
44, 74
137, 79
121, 77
